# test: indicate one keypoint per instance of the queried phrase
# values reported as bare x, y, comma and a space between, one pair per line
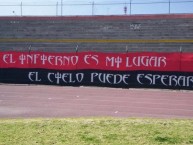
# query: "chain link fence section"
61, 8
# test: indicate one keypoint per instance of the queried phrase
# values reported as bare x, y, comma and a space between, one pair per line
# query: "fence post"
61, 7
126, 49
92, 8
57, 9
130, 7
21, 9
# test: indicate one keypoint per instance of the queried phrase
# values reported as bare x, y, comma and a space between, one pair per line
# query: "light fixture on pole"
125, 9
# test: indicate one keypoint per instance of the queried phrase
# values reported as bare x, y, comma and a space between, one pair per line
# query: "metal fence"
61, 8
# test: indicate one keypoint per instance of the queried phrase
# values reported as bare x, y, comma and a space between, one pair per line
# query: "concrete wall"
158, 33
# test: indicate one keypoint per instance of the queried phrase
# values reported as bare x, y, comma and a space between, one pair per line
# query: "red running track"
24, 101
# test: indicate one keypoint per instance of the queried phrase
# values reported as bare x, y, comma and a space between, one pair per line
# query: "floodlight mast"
125, 9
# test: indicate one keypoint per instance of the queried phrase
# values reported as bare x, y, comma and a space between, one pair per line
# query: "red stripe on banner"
181, 62
186, 64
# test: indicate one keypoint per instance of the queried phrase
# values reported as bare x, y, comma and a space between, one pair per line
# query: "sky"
91, 7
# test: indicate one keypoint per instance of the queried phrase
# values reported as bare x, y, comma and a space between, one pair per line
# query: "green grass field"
95, 131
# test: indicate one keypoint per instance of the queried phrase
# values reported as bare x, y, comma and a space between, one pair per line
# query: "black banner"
117, 79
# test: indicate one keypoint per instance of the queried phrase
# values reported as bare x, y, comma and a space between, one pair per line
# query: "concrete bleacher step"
82, 28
